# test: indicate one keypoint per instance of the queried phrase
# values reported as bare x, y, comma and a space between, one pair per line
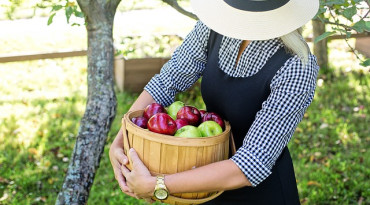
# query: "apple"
153, 109
202, 112
181, 123
214, 117
188, 131
209, 128
140, 121
174, 108
162, 123
190, 114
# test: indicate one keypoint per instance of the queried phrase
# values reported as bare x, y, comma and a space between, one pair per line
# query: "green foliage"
10, 7
345, 17
43, 102
147, 46
70, 8
324, 35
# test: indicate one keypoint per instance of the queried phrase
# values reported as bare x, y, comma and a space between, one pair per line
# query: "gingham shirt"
292, 90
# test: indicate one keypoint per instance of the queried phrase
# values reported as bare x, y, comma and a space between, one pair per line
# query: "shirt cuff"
251, 166
156, 90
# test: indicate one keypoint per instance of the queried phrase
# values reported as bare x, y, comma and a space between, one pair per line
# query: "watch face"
161, 194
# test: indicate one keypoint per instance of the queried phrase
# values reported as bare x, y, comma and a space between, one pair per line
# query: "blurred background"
43, 88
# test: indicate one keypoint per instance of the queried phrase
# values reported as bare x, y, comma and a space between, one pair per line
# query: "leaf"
3, 180
33, 151
313, 183
78, 13
349, 12
348, 34
360, 26
50, 20
366, 63
324, 35
367, 26
334, 2
56, 7
69, 11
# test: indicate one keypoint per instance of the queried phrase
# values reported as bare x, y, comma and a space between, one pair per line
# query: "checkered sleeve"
292, 91
183, 69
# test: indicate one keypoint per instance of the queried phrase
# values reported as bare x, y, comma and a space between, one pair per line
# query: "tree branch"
175, 5
346, 39
335, 23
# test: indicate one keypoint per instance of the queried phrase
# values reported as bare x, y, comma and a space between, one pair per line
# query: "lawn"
42, 102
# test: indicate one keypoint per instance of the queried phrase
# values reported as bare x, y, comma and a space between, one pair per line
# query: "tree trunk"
320, 49
101, 102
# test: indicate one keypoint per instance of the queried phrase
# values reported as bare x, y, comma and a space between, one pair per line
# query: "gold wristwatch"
160, 190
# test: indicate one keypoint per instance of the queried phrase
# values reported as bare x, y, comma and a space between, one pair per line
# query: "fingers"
135, 159
130, 194
149, 200
125, 171
120, 156
121, 180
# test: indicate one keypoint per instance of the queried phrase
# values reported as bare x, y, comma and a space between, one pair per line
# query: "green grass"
41, 108
42, 102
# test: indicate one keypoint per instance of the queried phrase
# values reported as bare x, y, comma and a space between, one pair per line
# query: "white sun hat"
255, 19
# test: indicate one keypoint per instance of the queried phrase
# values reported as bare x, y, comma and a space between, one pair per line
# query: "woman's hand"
118, 159
139, 180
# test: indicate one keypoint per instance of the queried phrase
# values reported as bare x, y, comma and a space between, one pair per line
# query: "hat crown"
256, 5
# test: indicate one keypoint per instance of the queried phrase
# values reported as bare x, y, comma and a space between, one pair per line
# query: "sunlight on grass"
42, 102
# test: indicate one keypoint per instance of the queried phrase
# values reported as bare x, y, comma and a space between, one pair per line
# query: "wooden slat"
155, 152
39, 56
138, 72
138, 145
171, 159
146, 155
363, 46
144, 63
183, 165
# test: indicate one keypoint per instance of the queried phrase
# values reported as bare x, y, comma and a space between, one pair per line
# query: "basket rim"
172, 140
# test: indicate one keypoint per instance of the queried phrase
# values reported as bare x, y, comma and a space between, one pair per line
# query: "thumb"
135, 159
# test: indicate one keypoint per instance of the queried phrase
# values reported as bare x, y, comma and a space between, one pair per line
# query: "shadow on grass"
35, 170
329, 148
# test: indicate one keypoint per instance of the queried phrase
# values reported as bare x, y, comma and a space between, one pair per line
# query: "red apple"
162, 123
212, 116
202, 112
190, 114
153, 109
181, 123
140, 121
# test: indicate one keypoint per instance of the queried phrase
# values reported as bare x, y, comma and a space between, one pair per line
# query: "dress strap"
211, 41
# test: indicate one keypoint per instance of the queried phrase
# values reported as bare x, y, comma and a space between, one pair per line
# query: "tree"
174, 4
101, 101
320, 48
346, 17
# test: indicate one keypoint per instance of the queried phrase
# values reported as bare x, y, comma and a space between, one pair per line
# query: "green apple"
174, 108
188, 131
209, 128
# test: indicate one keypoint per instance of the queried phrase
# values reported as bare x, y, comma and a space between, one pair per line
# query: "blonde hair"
296, 45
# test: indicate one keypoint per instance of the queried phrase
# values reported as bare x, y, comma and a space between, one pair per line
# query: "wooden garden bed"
133, 74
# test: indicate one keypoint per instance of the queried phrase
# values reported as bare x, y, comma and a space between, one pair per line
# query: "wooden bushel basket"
165, 154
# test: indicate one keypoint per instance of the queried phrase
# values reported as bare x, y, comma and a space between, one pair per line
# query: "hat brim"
249, 25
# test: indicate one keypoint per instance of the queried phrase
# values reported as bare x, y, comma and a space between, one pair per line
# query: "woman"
258, 73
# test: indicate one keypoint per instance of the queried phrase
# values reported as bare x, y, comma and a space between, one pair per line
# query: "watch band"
160, 190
